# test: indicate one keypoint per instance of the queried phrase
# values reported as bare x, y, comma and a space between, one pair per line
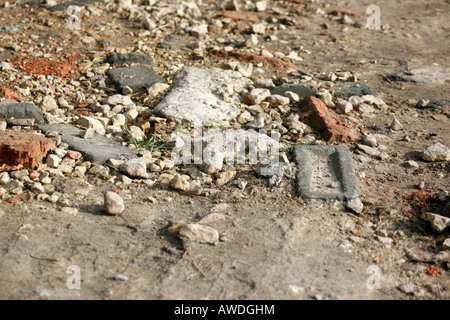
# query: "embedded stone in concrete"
23, 149
204, 95
135, 77
421, 75
98, 149
325, 172
21, 111
302, 90
357, 89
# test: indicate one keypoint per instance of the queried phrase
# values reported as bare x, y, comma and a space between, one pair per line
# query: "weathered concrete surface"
99, 149
325, 172
208, 96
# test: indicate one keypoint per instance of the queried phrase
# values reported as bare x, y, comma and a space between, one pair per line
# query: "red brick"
240, 16
8, 93
328, 122
19, 149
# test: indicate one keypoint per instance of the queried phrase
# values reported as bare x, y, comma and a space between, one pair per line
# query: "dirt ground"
276, 246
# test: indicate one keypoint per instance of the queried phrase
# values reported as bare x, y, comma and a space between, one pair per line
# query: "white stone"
136, 167
179, 183
261, 6
118, 99
199, 233
88, 122
343, 106
48, 104
436, 152
53, 160
259, 28
113, 204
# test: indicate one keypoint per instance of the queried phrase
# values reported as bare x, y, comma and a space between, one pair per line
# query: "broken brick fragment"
8, 93
240, 16
22, 150
328, 122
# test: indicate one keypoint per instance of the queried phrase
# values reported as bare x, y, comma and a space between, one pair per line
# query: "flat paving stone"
421, 75
98, 149
23, 110
135, 77
325, 172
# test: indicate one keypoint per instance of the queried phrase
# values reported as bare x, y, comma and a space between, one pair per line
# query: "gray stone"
113, 204
436, 152
358, 89
325, 172
135, 77
437, 222
302, 90
98, 149
421, 75
64, 5
207, 96
21, 111
121, 59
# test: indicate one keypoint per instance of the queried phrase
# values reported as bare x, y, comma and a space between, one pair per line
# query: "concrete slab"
325, 172
99, 149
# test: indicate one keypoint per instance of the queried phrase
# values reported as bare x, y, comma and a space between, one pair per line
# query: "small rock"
412, 164
53, 160
48, 104
136, 167
446, 244
355, 205
256, 96
278, 100
406, 288
121, 277
199, 30
385, 240
436, 152
87, 134
179, 183
113, 204
396, 125
199, 233
264, 83
343, 106
259, 28
118, 99
369, 140
437, 222
225, 177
